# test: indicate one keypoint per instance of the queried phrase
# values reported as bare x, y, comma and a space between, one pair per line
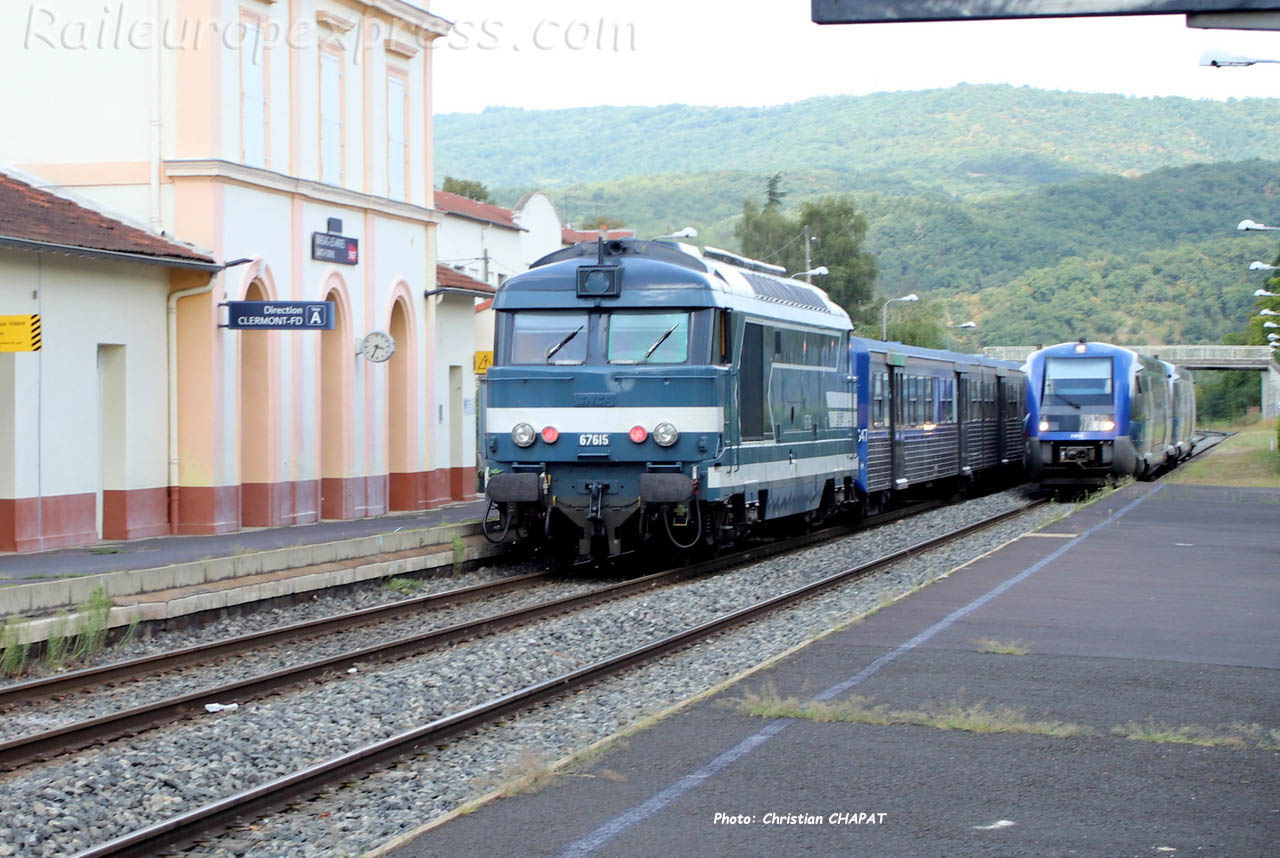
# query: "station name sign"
280, 315
327, 247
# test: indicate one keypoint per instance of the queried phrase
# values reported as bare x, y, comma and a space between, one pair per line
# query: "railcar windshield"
648, 337
549, 337
1077, 381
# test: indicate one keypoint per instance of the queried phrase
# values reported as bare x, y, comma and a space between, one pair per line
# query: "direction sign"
280, 315
20, 333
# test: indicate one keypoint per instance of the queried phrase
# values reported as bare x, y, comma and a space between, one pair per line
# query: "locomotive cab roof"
657, 273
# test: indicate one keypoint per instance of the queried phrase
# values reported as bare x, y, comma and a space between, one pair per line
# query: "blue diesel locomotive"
1098, 412
651, 390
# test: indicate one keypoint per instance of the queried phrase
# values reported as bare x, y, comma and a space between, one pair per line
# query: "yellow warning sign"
483, 361
20, 333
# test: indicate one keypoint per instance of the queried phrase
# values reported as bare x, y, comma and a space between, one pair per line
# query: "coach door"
897, 446
966, 414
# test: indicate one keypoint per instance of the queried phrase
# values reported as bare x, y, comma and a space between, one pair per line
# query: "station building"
287, 147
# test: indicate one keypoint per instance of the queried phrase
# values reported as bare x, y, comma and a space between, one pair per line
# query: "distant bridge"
1250, 358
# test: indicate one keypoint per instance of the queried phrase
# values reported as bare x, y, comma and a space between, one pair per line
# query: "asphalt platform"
1157, 606
136, 554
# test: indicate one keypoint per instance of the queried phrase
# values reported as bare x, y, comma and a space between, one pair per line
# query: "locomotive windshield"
1077, 381
549, 337
645, 337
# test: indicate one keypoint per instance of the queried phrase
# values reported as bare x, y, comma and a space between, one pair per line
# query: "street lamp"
969, 324
1220, 59
1270, 325
1247, 225
884, 316
1263, 293
687, 232
821, 269
1257, 265
1265, 312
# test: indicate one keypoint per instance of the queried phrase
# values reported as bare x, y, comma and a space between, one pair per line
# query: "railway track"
190, 826
76, 736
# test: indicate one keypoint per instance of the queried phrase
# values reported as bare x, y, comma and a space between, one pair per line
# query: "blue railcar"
649, 389
1183, 392
1098, 412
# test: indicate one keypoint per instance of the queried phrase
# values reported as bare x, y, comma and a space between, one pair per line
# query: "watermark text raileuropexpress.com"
127, 27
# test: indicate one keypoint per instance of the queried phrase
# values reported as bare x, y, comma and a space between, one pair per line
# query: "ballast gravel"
72, 803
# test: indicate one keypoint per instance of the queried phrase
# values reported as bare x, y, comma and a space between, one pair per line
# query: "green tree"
773, 192
836, 232
467, 188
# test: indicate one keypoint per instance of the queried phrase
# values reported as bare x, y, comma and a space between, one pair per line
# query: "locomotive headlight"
1044, 425
1097, 423
664, 434
522, 434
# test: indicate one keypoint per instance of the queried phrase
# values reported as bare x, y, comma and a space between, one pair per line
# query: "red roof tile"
446, 276
466, 207
30, 214
569, 235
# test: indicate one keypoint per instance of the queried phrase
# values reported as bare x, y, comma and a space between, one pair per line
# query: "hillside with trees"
1041, 216
967, 140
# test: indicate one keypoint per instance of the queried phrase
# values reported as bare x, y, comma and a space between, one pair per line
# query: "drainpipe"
173, 383
156, 105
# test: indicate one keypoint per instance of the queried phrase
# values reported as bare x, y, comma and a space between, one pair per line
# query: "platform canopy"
1228, 14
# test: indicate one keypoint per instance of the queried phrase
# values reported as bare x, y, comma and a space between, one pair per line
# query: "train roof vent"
771, 289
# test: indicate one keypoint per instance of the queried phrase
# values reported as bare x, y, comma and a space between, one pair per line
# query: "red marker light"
638, 434
550, 434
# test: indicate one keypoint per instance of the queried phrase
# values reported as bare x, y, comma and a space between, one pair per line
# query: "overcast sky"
568, 53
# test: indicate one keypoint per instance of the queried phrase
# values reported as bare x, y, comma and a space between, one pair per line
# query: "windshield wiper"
558, 346
660, 340
1069, 401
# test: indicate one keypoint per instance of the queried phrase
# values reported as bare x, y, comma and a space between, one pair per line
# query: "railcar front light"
664, 434
1097, 423
550, 434
522, 434
1044, 425
638, 434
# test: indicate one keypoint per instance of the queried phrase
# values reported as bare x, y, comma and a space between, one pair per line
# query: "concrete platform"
171, 576
1159, 605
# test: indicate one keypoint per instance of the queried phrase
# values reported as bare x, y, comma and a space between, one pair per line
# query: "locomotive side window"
644, 337
549, 337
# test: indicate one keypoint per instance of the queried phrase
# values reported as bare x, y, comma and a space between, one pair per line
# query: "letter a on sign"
315, 317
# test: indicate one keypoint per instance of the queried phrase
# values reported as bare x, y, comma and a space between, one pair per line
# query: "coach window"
549, 337
648, 337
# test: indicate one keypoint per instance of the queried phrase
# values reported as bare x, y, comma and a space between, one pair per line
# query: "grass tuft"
459, 552
955, 715
1239, 737
14, 652
997, 648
